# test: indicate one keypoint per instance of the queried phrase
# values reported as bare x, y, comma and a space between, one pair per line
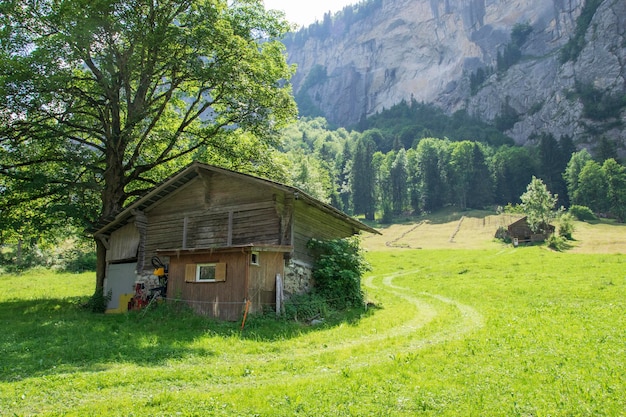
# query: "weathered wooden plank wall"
256, 226
198, 216
312, 222
262, 283
123, 243
224, 300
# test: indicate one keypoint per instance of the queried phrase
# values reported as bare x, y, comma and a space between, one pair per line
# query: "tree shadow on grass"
47, 336
53, 336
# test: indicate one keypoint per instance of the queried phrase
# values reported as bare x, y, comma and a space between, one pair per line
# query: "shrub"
78, 259
16, 259
98, 301
69, 255
582, 213
566, 226
337, 270
558, 243
571, 50
513, 208
503, 234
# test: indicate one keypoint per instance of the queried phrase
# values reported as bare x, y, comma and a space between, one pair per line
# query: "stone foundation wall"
149, 283
298, 278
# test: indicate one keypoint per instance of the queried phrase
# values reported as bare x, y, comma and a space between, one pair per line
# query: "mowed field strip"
477, 229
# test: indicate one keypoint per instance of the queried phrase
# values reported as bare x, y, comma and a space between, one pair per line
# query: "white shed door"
120, 279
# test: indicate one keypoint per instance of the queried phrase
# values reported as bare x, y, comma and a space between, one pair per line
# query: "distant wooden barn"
224, 237
521, 231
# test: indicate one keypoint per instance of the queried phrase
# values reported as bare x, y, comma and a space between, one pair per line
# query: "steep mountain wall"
427, 49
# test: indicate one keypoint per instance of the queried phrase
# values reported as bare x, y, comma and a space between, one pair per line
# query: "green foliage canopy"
105, 98
615, 175
572, 173
592, 187
430, 174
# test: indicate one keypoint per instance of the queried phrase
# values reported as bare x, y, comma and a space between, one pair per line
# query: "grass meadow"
488, 330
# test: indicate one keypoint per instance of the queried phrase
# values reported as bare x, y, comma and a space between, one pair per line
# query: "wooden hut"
222, 238
521, 232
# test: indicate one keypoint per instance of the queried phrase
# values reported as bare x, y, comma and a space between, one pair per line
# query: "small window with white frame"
205, 272
254, 258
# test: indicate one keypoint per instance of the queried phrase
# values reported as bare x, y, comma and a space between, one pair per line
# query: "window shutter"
220, 271
190, 273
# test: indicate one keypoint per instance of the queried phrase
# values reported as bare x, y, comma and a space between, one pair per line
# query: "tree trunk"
101, 265
113, 198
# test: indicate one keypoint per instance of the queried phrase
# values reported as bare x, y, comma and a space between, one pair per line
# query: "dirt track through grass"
365, 350
468, 319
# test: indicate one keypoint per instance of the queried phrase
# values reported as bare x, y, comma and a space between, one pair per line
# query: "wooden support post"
185, 225
229, 239
279, 295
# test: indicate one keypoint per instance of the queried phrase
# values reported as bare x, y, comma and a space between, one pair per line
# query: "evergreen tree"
513, 168
399, 182
481, 183
413, 179
362, 178
566, 143
345, 174
552, 163
470, 178
381, 163
606, 149
432, 156
461, 171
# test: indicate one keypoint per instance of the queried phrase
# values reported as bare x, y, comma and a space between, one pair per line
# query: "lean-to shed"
224, 236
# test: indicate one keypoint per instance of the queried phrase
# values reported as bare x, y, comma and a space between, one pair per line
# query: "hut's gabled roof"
194, 170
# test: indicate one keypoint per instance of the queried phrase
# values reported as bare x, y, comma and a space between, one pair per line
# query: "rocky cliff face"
427, 50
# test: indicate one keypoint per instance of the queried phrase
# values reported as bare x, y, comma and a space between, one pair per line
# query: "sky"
305, 12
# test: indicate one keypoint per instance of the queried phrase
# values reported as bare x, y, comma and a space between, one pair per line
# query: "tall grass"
496, 332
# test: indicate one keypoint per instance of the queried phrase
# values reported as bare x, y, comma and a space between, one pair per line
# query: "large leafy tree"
572, 174
104, 98
616, 188
538, 204
592, 187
